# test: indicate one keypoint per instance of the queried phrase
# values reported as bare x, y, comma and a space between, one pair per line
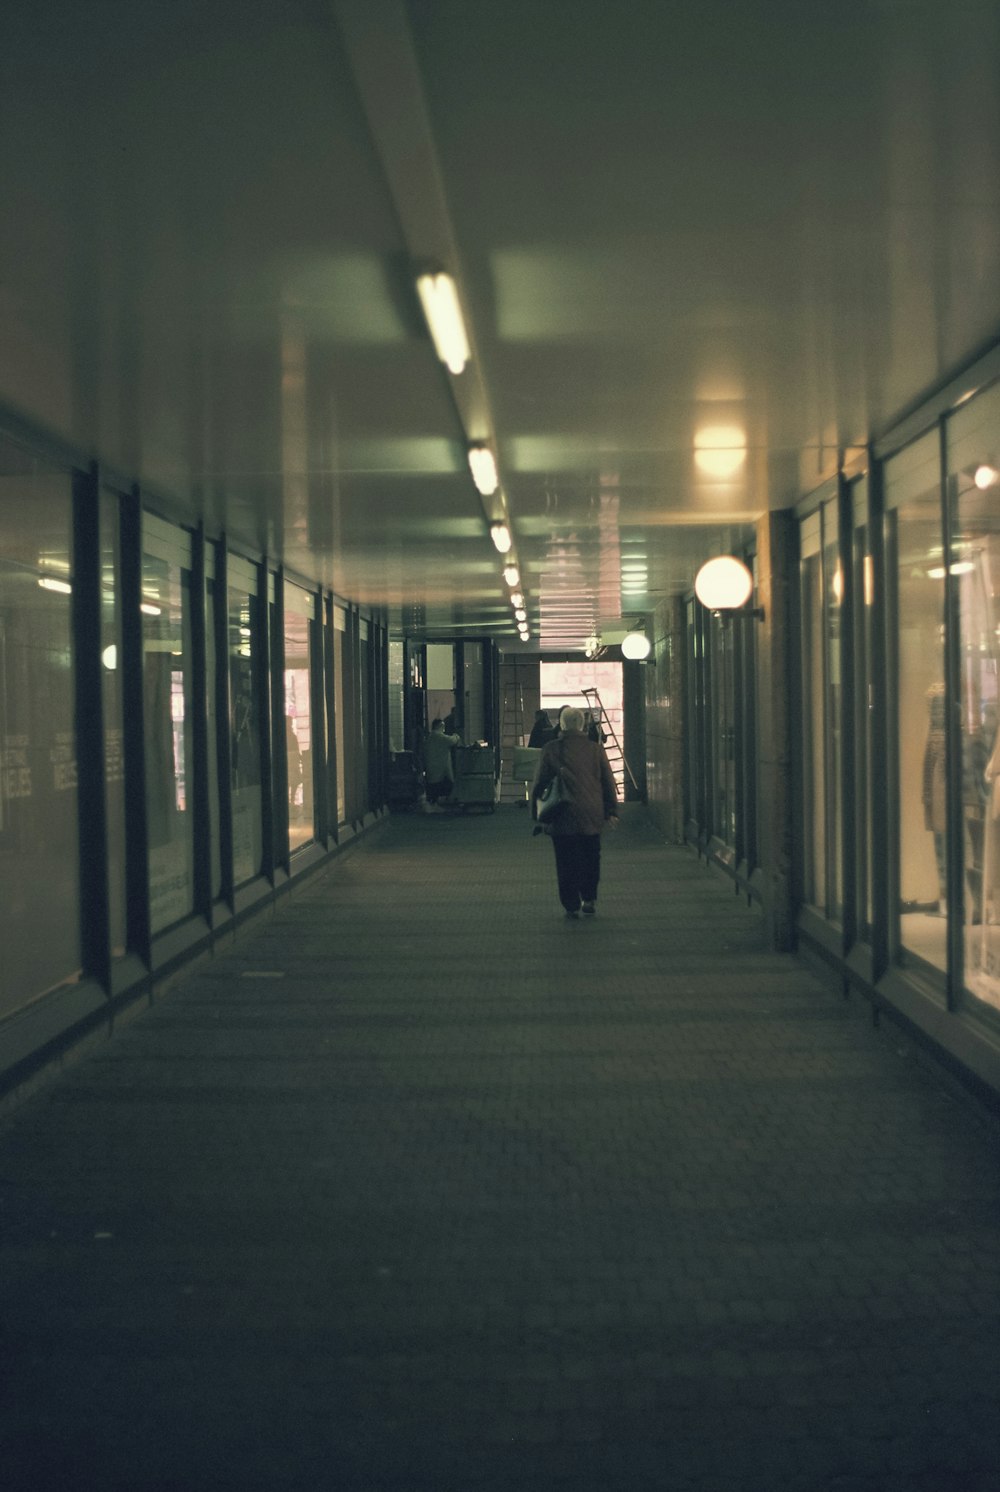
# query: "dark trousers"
578, 868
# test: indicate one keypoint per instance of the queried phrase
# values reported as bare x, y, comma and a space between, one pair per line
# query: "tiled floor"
422, 1187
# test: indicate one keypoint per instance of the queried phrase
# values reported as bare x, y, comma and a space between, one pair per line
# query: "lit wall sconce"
985, 476
439, 298
636, 646
725, 585
500, 534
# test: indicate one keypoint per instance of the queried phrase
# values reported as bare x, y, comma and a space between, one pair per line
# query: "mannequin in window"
991, 837
977, 747
933, 793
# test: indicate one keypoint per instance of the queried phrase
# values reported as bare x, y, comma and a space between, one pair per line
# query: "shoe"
572, 916
588, 908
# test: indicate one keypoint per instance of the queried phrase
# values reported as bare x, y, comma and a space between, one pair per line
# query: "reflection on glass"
166, 656
975, 561
920, 702
244, 704
39, 852
298, 715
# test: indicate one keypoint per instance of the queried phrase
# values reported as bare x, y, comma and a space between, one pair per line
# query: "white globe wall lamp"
724, 585
636, 646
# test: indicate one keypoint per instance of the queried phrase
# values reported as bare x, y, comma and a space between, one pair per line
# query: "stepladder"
609, 737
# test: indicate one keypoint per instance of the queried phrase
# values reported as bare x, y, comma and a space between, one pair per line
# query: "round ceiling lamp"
636, 646
723, 583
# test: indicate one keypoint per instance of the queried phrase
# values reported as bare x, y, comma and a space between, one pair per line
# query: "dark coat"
587, 776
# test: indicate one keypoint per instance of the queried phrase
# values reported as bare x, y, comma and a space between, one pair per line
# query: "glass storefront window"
245, 683
913, 501
211, 716
814, 754
863, 708
114, 759
299, 612
974, 471
39, 846
166, 656
340, 706
833, 581
723, 734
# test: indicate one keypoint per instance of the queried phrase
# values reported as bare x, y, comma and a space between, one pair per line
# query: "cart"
475, 779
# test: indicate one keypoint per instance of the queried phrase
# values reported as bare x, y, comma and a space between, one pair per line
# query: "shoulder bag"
553, 798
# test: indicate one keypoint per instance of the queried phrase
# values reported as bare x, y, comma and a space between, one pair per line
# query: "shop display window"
245, 685
211, 717
299, 613
340, 705
167, 700
114, 757
39, 845
814, 784
833, 588
864, 595
913, 503
974, 561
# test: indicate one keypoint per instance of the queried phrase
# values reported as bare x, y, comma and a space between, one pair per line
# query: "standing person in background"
542, 731
590, 800
591, 728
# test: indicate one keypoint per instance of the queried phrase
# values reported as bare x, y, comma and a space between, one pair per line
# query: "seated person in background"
439, 771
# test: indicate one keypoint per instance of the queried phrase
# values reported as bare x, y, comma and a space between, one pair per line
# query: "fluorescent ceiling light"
483, 466
53, 583
520, 614
512, 575
439, 298
148, 609
516, 598
500, 534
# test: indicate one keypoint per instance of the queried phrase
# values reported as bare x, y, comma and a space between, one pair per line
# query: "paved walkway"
422, 1188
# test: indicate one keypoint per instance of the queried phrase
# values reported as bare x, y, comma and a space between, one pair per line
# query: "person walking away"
590, 801
439, 771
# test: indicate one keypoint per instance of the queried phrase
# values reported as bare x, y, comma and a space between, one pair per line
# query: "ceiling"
701, 250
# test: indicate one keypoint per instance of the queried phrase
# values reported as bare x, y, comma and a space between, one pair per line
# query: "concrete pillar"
775, 661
